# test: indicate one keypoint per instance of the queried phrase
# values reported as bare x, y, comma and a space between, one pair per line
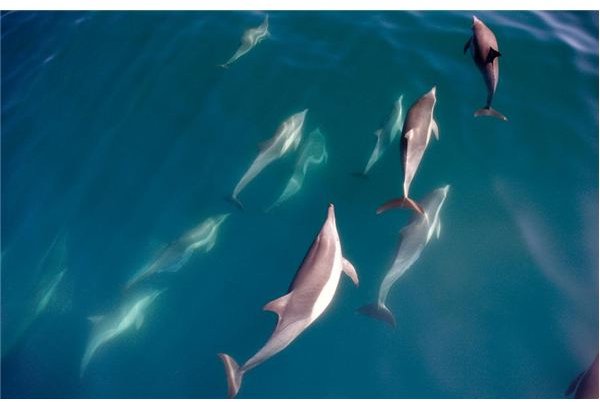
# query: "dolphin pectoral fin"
278, 305
380, 312
139, 321
435, 129
489, 111
402, 202
573, 384
492, 54
438, 229
349, 270
467, 45
233, 373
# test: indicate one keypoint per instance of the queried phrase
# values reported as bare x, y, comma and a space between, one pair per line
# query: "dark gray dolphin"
416, 132
310, 293
484, 49
585, 385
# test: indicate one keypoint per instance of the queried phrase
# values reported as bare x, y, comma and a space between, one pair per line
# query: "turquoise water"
120, 134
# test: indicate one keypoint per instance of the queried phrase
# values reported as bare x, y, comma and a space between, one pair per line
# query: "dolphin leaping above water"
310, 293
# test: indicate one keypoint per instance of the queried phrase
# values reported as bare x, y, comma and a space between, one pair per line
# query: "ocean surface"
120, 134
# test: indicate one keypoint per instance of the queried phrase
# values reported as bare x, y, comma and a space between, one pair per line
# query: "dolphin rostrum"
108, 327
313, 153
415, 237
250, 38
416, 132
286, 139
310, 293
386, 134
173, 257
484, 49
585, 385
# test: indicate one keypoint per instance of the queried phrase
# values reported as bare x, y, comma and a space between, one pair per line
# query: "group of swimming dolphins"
316, 280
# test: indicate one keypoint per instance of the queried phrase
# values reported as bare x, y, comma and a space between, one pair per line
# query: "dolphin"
310, 293
108, 327
585, 385
173, 257
415, 237
313, 153
49, 292
286, 139
416, 132
386, 134
250, 38
484, 49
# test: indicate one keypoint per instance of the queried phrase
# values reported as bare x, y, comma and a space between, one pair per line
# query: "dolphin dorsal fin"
278, 305
349, 270
492, 54
94, 319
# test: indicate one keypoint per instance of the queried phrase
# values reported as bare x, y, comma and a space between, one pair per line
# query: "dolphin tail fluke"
489, 111
380, 312
402, 202
224, 65
234, 375
361, 175
235, 201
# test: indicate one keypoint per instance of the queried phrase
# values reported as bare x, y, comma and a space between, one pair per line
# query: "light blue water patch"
120, 130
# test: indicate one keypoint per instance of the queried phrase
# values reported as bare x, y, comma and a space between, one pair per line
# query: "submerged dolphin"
310, 293
250, 38
286, 139
313, 153
414, 239
484, 49
585, 385
386, 134
416, 132
107, 327
173, 257
49, 292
